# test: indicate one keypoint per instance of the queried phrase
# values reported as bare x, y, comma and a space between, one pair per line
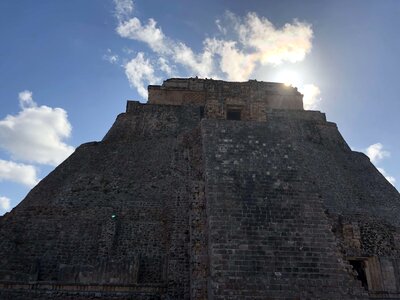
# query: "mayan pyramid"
210, 190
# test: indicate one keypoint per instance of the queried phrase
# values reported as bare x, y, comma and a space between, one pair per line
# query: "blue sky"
68, 67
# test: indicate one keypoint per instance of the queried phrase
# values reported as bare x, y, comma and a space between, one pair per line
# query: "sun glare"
289, 78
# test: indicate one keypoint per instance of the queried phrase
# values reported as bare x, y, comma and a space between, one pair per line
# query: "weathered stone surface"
217, 97
177, 202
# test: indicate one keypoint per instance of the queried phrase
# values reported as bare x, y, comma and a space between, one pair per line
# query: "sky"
68, 67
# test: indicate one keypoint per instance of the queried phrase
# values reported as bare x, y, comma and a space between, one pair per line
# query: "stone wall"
362, 206
43, 290
252, 98
115, 213
269, 236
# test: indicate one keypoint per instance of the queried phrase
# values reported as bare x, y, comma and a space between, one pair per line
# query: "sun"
289, 78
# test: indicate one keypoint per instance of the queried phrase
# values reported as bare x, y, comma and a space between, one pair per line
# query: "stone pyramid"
211, 190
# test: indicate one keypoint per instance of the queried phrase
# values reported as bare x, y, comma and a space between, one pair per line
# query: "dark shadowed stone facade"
212, 190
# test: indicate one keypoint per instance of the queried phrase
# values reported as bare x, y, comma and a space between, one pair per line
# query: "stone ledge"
51, 286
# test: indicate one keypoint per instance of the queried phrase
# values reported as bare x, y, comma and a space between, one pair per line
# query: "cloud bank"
19, 173
36, 133
138, 71
243, 45
255, 41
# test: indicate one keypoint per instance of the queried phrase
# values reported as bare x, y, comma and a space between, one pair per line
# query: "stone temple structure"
211, 190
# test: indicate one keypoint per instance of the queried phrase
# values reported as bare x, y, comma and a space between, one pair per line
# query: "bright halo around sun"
289, 78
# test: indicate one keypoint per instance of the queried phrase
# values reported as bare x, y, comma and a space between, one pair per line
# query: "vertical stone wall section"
269, 236
252, 98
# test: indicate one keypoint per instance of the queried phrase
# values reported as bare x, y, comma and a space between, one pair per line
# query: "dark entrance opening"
201, 112
233, 114
359, 267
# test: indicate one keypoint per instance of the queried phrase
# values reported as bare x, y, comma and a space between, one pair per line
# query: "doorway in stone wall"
233, 113
359, 267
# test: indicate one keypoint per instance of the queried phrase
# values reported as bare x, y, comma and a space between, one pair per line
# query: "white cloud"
311, 97
220, 27
236, 65
110, 57
200, 64
113, 58
164, 66
389, 178
26, 100
5, 204
140, 70
123, 9
17, 172
254, 41
376, 152
149, 34
273, 45
258, 43
36, 133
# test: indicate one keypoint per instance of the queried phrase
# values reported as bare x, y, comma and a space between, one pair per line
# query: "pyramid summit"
210, 190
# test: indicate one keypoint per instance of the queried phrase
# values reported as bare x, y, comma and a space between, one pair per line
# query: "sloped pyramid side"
113, 216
